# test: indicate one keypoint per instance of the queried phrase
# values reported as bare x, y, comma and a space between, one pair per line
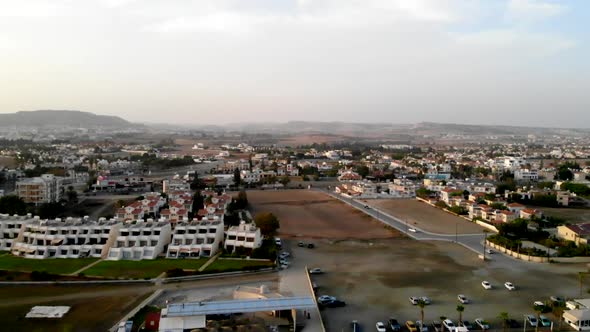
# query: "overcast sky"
521, 62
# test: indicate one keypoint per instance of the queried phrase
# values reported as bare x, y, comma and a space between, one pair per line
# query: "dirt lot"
425, 216
573, 215
311, 214
93, 308
375, 279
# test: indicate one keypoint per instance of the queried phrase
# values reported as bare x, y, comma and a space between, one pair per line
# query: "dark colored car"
310, 245
335, 304
466, 324
394, 324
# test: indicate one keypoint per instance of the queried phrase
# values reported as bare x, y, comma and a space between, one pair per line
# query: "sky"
511, 62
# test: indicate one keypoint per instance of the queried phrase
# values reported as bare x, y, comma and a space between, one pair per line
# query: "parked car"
414, 300
436, 326
316, 270
544, 321
489, 251
411, 326
394, 324
284, 254
538, 304
278, 242
413, 230
482, 323
425, 299
512, 323
462, 298
509, 285
557, 299
532, 320
448, 324
355, 326
486, 284
424, 326
466, 324
284, 266
380, 327
310, 246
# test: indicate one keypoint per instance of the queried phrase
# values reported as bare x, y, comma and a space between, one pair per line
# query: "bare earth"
424, 216
311, 214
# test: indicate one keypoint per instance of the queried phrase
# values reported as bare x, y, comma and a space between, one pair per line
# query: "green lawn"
227, 265
142, 269
53, 266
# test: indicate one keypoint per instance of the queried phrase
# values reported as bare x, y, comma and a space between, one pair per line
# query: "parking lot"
376, 279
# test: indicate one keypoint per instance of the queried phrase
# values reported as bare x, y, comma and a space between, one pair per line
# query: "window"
231, 237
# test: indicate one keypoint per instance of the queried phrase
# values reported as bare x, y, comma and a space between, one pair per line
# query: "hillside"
53, 118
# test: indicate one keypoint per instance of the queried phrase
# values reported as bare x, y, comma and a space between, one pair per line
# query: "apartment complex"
72, 238
140, 240
10, 229
244, 236
44, 189
196, 239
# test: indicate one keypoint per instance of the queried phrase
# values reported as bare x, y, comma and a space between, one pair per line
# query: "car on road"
413, 230
532, 320
310, 245
448, 324
482, 323
489, 251
509, 285
414, 300
367, 207
486, 284
324, 299
278, 242
380, 327
466, 324
544, 321
411, 326
394, 324
436, 326
316, 270
425, 299
355, 326
301, 244
424, 326
462, 298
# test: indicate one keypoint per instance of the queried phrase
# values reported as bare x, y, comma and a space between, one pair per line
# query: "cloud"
530, 11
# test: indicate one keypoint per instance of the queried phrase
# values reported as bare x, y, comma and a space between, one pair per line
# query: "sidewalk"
75, 273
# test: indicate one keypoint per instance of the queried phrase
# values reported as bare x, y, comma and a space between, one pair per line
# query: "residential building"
141, 240
578, 233
175, 185
348, 176
530, 213
194, 239
47, 188
515, 207
69, 238
10, 229
524, 174
245, 236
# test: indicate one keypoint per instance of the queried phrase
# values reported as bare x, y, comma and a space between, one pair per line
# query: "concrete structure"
47, 311
196, 239
246, 236
141, 240
69, 238
529, 175
44, 189
10, 228
578, 233
578, 319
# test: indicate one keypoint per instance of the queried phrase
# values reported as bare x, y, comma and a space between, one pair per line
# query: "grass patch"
228, 265
53, 266
142, 269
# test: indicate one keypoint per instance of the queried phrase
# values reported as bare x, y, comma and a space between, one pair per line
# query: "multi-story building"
69, 238
10, 229
141, 240
196, 239
175, 185
245, 236
44, 189
524, 174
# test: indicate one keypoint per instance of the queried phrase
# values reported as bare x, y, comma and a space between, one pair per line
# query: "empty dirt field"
424, 216
310, 214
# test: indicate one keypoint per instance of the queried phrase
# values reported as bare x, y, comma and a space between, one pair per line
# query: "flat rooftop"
48, 312
237, 306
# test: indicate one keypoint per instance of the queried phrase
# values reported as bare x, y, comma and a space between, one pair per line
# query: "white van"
278, 242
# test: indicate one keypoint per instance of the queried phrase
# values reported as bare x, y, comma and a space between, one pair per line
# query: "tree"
421, 304
285, 180
503, 316
363, 171
268, 223
119, 204
12, 204
242, 200
237, 177
197, 183
460, 310
50, 210
198, 202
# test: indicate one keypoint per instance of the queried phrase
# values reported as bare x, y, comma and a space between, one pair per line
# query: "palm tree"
503, 317
421, 304
460, 310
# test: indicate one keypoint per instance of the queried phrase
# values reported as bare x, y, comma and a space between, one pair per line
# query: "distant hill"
54, 118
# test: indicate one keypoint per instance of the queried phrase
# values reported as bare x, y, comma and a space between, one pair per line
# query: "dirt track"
310, 214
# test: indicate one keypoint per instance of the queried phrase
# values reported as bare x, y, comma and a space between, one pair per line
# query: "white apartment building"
44, 189
526, 175
196, 239
245, 236
69, 238
10, 229
141, 240
402, 187
175, 185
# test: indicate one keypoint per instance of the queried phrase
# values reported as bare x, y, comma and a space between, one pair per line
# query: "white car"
380, 327
489, 251
413, 230
462, 298
425, 299
326, 299
538, 304
448, 324
316, 270
414, 300
482, 323
486, 284
532, 320
424, 326
509, 285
